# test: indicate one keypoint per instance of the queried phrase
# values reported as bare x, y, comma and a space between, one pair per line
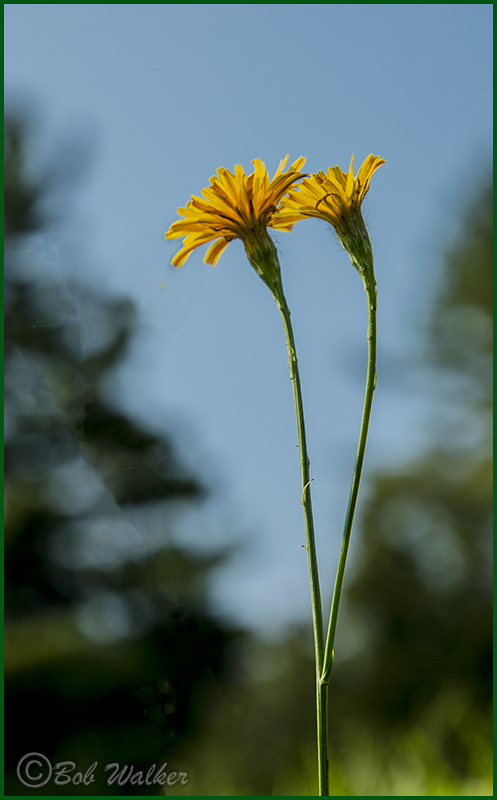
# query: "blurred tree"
108, 643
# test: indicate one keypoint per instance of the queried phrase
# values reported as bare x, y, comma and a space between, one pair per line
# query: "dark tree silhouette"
102, 665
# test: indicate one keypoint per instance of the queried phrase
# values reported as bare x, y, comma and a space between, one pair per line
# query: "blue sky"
167, 94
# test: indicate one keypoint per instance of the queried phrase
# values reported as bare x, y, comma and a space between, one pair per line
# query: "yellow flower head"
330, 196
234, 206
336, 197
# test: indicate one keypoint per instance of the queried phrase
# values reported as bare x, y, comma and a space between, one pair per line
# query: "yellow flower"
330, 196
235, 206
336, 197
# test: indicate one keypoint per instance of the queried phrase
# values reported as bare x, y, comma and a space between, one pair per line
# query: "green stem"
323, 761
317, 612
370, 286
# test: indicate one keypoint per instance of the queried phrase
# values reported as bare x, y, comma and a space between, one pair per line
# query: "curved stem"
317, 612
370, 286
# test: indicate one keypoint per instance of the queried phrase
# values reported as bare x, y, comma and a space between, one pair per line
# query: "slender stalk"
370, 286
323, 761
317, 612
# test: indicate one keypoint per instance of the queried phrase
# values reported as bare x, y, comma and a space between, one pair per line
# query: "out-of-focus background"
156, 587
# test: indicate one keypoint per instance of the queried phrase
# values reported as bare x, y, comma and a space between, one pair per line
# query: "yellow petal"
233, 206
281, 167
215, 250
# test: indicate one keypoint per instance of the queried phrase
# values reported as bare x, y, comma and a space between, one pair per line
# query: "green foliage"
108, 642
21, 196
